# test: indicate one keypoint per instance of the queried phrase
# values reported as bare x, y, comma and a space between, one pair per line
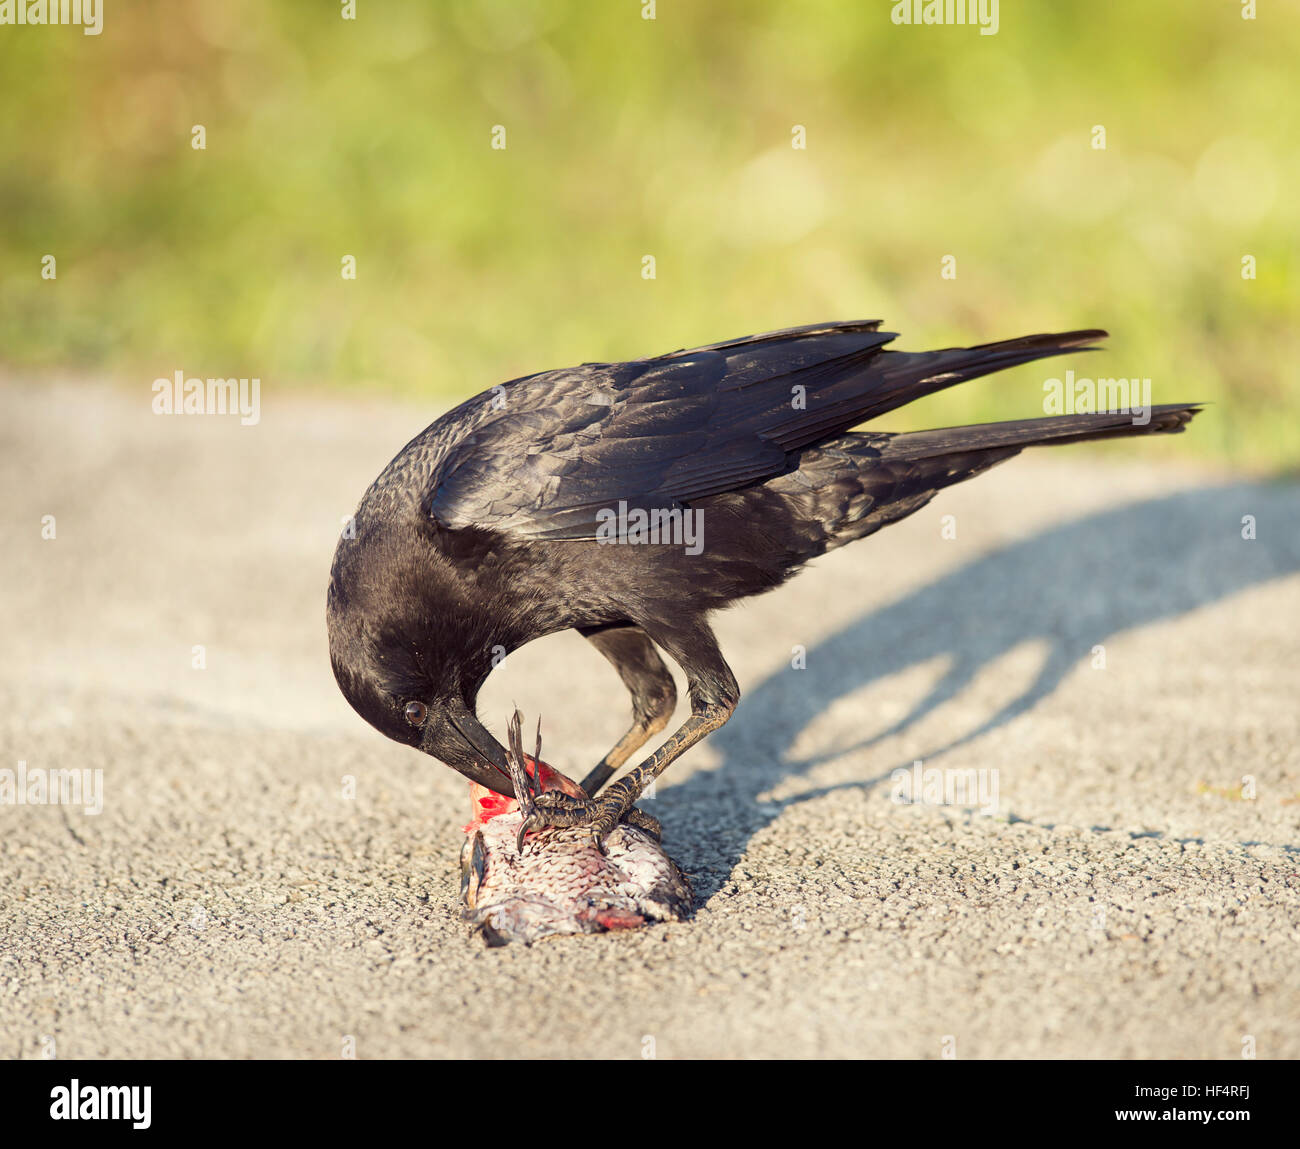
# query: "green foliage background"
670, 137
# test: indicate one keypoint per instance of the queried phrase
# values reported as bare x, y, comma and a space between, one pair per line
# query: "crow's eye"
416, 713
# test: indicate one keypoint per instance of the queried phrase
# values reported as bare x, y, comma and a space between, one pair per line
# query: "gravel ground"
1120, 898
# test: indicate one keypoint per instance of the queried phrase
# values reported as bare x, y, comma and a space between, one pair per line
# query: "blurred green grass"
671, 137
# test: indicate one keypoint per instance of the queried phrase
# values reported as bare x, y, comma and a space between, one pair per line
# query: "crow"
524, 512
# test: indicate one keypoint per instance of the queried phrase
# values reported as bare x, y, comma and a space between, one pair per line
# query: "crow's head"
410, 660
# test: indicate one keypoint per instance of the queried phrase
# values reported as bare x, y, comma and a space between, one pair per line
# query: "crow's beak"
483, 758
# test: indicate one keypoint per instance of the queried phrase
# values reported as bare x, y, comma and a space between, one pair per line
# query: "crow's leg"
654, 696
714, 695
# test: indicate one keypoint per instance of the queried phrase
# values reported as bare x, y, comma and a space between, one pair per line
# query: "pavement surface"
270, 878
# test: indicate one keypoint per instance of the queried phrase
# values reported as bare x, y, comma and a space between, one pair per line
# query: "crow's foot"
598, 816
556, 808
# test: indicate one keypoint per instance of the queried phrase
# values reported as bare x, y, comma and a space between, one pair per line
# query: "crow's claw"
526, 791
646, 822
553, 808
598, 816
540, 809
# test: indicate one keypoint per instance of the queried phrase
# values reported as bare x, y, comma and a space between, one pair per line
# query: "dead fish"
560, 882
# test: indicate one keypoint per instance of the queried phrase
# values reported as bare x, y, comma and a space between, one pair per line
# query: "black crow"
524, 512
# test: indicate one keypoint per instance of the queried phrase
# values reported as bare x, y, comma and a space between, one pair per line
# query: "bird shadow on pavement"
1068, 588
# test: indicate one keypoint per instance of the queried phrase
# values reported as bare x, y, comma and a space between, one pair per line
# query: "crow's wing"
651, 433
659, 433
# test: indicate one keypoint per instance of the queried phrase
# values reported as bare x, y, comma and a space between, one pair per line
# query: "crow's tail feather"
1167, 419
863, 481
909, 375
